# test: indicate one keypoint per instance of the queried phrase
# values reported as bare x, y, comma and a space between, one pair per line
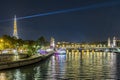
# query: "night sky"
88, 24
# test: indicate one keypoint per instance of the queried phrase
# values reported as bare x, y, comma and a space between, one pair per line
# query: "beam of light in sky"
94, 6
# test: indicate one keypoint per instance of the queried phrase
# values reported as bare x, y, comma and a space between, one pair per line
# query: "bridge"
101, 46
86, 47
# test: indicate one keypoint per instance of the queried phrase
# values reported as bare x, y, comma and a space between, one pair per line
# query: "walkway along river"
23, 62
71, 66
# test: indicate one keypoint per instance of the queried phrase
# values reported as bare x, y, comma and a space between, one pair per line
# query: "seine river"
70, 66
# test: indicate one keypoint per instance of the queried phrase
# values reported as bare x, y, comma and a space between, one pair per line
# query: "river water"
70, 66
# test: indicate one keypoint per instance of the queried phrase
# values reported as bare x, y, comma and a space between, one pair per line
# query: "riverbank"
11, 57
23, 62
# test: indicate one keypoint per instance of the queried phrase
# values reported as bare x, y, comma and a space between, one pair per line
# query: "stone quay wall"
23, 62
10, 57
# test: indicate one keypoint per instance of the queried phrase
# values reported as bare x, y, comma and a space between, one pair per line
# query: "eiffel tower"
15, 34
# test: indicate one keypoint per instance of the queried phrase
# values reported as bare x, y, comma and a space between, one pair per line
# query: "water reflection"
72, 66
2, 76
97, 65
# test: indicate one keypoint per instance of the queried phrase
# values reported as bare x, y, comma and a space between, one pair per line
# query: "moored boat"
60, 51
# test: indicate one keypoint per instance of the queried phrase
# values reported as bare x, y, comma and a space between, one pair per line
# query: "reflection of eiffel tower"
15, 34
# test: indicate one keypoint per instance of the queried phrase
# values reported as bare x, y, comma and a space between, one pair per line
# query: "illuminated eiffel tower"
15, 34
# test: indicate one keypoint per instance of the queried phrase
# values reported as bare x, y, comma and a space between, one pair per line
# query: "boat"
60, 51
114, 50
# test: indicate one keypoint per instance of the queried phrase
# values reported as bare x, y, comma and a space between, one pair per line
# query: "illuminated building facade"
79, 45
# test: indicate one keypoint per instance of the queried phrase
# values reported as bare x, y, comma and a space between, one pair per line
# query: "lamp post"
16, 51
17, 45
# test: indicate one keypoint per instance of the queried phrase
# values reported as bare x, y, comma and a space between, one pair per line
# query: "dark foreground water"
72, 66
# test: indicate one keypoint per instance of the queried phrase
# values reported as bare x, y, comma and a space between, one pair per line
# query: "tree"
41, 41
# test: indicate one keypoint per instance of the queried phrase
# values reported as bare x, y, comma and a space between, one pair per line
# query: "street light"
1, 44
1, 40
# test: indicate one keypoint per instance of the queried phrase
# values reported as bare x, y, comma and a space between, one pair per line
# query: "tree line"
8, 42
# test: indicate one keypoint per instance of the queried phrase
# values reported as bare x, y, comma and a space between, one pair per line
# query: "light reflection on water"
71, 66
